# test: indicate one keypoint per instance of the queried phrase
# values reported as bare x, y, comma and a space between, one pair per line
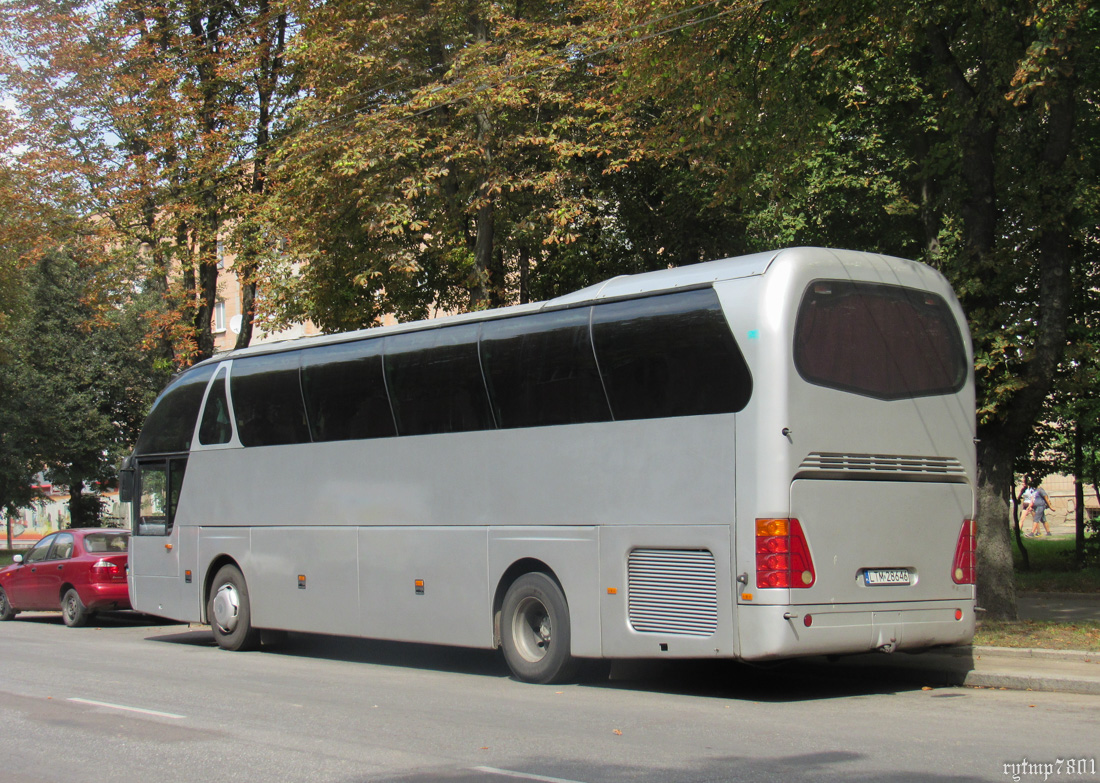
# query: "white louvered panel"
883, 463
673, 591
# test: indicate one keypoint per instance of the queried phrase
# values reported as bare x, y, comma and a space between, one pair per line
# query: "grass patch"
1083, 635
1052, 568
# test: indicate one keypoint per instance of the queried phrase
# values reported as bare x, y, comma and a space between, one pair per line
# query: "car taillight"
963, 569
106, 571
782, 554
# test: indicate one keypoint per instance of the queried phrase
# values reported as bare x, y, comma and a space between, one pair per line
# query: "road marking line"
128, 709
523, 775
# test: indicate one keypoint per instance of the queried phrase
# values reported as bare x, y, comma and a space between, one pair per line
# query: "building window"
219, 317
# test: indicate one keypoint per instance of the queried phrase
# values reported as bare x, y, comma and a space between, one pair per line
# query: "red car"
79, 571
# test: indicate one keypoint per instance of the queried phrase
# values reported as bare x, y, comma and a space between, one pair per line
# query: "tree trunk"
84, 509
248, 308
996, 582
1079, 493
1026, 564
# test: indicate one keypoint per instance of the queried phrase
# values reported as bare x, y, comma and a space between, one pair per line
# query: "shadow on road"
117, 619
799, 680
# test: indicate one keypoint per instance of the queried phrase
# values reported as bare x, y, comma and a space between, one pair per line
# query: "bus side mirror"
126, 485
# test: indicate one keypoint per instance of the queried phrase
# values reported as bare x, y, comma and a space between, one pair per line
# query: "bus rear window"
880, 341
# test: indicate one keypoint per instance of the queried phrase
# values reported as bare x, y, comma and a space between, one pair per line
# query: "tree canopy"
365, 158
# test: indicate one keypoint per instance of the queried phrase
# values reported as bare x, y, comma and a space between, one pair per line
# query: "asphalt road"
132, 700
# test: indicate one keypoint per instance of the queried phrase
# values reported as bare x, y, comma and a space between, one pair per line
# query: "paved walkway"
1006, 667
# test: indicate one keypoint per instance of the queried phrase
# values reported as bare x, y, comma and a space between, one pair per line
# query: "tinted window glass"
100, 543
62, 547
160, 484
267, 400
40, 550
434, 379
670, 355
345, 392
171, 422
877, 340
216, 427
541, 370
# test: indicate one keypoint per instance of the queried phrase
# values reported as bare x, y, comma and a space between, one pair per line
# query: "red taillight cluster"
963, 569
782, 554
106, 571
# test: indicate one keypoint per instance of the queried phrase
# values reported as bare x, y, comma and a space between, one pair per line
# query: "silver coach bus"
755, 458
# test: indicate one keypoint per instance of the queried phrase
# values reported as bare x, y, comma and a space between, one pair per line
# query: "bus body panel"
572, 555
424, 585
767, 632
543, 476
853, 527
304, 579
666, 591
153, 573
216, 545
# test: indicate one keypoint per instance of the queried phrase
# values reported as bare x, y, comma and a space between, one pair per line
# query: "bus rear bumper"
775, 632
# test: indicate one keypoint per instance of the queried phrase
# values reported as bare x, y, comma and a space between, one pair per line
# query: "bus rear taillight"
963, 570
782, 554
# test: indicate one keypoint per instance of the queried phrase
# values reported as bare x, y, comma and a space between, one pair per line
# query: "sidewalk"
1006, 667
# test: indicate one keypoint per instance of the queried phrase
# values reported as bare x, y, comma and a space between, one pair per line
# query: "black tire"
73, 611
534, 630
228, 611
6, 612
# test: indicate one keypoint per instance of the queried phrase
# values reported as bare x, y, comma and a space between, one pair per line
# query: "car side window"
41, 550
62, 547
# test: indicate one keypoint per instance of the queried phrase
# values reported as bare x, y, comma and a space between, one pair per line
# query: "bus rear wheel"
535, 632
229, 612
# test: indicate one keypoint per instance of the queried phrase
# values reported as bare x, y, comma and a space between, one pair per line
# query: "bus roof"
623, 286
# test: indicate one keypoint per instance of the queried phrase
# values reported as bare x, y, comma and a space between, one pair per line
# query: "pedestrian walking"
1039, 503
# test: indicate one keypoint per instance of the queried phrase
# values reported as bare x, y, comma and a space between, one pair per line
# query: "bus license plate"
886, 576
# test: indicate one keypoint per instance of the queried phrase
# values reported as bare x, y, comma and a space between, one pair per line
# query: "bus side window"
434, 380
541, 370
216, 427
345, 392
267, 400
670, 355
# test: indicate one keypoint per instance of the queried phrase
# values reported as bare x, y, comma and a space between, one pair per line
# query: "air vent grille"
883, 466
673, 591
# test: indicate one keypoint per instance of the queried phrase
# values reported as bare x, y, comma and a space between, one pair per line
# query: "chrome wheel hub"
227, 607
531, 629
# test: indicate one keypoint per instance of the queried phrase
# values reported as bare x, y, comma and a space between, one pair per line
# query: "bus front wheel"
229, 612
535, 630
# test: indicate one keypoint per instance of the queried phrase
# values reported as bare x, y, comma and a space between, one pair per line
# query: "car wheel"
6, 612
73, 611
229, 613
535, 630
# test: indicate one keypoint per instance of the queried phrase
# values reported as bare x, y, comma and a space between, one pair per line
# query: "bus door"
154, 550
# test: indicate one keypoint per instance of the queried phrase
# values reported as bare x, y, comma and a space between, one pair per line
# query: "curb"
1003, 668
1042, 682
1076, 656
